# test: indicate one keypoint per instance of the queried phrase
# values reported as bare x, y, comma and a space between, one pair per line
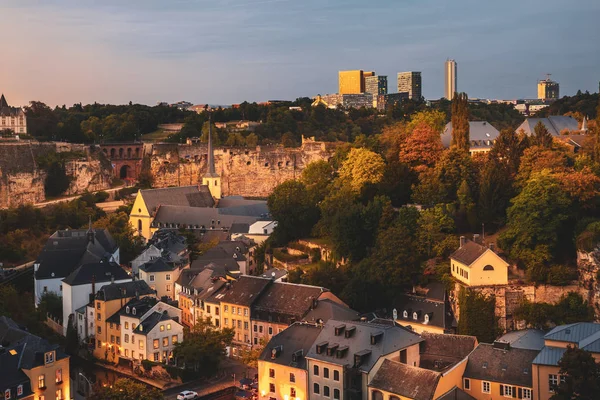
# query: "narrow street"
225, 378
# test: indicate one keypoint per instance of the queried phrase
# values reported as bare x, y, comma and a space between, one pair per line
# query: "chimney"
462, 241
91, 235
476, 238
93, 285
492, 246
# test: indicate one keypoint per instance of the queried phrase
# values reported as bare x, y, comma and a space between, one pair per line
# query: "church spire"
584, 127
91, 235
3, 102
211, 154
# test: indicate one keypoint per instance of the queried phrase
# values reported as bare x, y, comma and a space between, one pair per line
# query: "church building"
12, 118
200, 207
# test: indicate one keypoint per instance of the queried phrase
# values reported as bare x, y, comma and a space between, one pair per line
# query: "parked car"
187, 395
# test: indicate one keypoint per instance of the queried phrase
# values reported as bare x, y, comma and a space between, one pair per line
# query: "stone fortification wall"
22, 181
251, 172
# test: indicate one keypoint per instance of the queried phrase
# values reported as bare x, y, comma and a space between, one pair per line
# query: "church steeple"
211, 178
584, 127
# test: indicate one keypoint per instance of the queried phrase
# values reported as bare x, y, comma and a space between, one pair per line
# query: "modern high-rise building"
376, 84
410, 83
351, 82
450, 73
548, 89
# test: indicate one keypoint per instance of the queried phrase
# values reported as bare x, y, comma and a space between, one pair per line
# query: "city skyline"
227, 52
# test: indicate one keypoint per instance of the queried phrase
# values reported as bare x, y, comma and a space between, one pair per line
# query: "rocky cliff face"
250, 172
22, 181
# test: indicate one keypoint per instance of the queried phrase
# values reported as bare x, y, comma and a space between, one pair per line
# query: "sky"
228, 51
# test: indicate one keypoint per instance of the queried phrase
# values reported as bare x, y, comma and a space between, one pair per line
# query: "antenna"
548, 76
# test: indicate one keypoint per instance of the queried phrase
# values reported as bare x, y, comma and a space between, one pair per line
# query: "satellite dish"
395, 314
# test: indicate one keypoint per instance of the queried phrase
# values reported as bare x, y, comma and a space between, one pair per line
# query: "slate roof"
157, 265
245, 291
123, 290
238, 227
295, 338
188, 196
142, 306
173, 246
32, 355
65, 250
440, 315
394, 339
283, 302
11, 372
275, 273
481, 134
407, 381
238, 205
442, 351
196, 217
6, 110
532, 339
98, 271
327, 309
146, 326
512, 366
554, 123
468, 252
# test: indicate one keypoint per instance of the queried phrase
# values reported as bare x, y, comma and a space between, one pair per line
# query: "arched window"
488, 268
426, 318
376, 395
139, 224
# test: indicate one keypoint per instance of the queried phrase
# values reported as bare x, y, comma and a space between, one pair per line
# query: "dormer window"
133, 311
19, 390
349, 332
415, 316
426, 318
321, 347
49, 357
376, 337
127, 309
405, 314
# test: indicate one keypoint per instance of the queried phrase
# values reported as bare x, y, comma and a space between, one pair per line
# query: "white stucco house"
81, 285
65, 251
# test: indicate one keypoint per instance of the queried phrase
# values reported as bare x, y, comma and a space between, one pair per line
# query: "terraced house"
30, 367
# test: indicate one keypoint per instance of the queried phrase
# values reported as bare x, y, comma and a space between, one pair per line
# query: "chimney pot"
476, 238
462, 241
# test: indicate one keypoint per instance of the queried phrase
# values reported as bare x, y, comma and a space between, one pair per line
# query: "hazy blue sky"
227, 51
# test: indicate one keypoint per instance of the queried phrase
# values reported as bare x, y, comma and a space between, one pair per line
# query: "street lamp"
88, 381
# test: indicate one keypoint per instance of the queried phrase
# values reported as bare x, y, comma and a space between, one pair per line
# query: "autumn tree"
422, 148
541, 136
362, 167
460, 121
126, 389
581, 375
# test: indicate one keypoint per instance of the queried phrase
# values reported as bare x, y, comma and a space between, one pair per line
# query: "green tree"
434, 224
292, 207
460, 122
203, 348
477, 315
535, 219
570, 308
130, 244
126, 389
51, 303
542, 137
581, 376
317, 177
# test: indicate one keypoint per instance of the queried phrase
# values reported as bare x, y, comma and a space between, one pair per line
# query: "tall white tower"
450, 73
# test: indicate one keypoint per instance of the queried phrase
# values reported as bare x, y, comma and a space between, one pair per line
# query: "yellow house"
495, 371
282, 365
236, 302
397, 381
476, 265
30, 366
546, 372
108, 301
